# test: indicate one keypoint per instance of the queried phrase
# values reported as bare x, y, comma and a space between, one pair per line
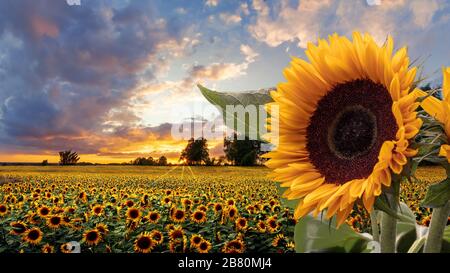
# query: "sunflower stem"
438, 223
375, 228
389, 223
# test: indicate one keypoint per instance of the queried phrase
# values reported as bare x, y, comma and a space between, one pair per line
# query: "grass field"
155, 209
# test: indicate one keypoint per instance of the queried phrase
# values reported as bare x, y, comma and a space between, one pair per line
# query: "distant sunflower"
157, 236
66, 248
176, 233
3, 209
144, 243
346, 119
54, 221
178, 216
102, 228
33, 236
18, 228
195, 240
232, 212
153, 217
277, 240
133, 214
198, 216
234, 246
231, 202
241, 223
166, 201
92, 237
204, 246
129, 203
261, 226
43, 211
97, 210
218, 207
272, 224
48, 249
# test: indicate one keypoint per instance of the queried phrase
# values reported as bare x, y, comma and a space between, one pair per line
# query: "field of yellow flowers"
124, 209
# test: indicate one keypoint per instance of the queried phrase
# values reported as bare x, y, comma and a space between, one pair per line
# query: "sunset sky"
109, 78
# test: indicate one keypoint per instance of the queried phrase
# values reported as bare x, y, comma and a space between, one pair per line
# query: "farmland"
125, 209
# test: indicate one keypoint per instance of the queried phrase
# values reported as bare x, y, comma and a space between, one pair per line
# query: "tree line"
237, 152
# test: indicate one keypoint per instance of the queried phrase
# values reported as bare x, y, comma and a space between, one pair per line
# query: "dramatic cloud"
211, 3
69, 73
308, 19
230, 19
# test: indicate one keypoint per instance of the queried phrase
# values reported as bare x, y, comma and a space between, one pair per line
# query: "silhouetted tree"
162, 161
144, 161
196, 152
44, 162
68, 158
244, 152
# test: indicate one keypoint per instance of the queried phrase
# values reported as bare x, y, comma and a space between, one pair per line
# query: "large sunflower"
345, 121
440, 109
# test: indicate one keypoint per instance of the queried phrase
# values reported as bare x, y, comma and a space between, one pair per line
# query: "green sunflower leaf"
318, 235
247, 100
437, 194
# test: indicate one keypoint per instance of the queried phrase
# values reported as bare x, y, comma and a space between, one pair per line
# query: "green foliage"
68, 158
252, 98
196, 152
243, 152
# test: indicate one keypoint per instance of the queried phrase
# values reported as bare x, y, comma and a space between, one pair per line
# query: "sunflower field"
156, 209
127, 209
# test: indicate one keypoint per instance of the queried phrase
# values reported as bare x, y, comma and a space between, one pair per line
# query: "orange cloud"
41, 27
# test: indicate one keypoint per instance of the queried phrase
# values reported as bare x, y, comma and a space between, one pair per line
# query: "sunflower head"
198, 216
44, 211
153, 217
195, 240
133, 214
92, 237
144, 243
241, 223
178, 216
54, 221
3, 209
346, 119
177, 233
218, 207
33, 236
102, 228
48, 249
157, 236
234, 246
97, 210
204, 246
18, 228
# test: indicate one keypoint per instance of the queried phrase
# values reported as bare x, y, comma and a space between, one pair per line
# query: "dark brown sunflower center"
92, 236
144, 243
19, 228
348, 128
134, 214
198, 216
153, 216
55, 220
353, 132
33, 235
